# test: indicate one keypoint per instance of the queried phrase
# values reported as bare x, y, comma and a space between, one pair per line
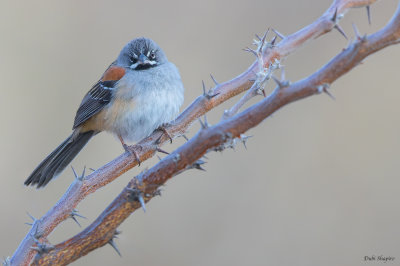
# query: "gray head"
141, 54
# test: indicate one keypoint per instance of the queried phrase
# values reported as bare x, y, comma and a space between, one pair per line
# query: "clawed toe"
132, 150
164, 130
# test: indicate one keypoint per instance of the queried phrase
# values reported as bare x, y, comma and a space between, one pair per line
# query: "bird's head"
141, 54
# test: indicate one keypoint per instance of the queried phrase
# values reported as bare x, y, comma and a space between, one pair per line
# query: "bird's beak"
143, 59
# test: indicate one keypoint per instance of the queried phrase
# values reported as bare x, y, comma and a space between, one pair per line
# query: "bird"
141, 91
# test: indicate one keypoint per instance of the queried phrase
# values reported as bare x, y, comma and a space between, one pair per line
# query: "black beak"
142, 59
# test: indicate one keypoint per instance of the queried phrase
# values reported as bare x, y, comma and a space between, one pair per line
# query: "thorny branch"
144, 187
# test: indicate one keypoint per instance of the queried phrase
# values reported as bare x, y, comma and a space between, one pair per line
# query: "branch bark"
103, 229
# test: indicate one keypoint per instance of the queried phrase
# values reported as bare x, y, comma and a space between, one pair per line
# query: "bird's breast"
140, 105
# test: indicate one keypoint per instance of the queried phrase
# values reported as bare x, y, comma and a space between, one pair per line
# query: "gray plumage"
131, 105
56, 161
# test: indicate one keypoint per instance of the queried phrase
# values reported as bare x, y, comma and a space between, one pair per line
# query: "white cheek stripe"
150, 62
133, 66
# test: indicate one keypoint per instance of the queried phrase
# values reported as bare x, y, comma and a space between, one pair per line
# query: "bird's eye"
152, 55
133, 59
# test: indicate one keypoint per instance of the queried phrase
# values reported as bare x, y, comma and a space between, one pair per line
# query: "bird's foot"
164, 130
134, 151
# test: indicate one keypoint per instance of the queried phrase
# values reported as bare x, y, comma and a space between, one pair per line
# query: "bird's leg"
131, 150
164, 130
123, 143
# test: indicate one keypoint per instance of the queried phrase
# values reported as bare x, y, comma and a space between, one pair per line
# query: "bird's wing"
99, 95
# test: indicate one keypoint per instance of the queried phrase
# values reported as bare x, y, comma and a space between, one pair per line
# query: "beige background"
318, 184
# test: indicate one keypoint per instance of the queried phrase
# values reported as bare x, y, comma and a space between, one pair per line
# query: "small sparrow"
139, 92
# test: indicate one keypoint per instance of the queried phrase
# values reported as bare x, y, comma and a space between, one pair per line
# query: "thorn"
247, 49
185, 137
329, 94
208, 95
75, 214
159, 158
356, 32
73, 170
212, 77
266, 33
75, 220
244, 144
112, 243
264, 38
273, 41
334, 16
339, 29
279, 34
278, 82
33, 218
369, 14
83, 172
201, 123
258, 37
197, 165
92, 169
35, 235
42, 248
141, 200
136, 195
161, 150
324, 88
80, 178
244, 139
260, 91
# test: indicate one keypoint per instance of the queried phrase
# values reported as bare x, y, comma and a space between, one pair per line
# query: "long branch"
102, 230
79, 189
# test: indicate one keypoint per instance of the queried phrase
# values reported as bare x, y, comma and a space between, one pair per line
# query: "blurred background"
318, 184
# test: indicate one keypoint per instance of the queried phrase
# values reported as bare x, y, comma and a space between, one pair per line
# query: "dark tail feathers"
56, 162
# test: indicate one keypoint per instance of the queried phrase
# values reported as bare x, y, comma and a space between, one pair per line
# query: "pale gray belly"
135, 119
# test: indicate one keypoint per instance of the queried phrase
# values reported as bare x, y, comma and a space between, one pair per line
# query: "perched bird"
138, 93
